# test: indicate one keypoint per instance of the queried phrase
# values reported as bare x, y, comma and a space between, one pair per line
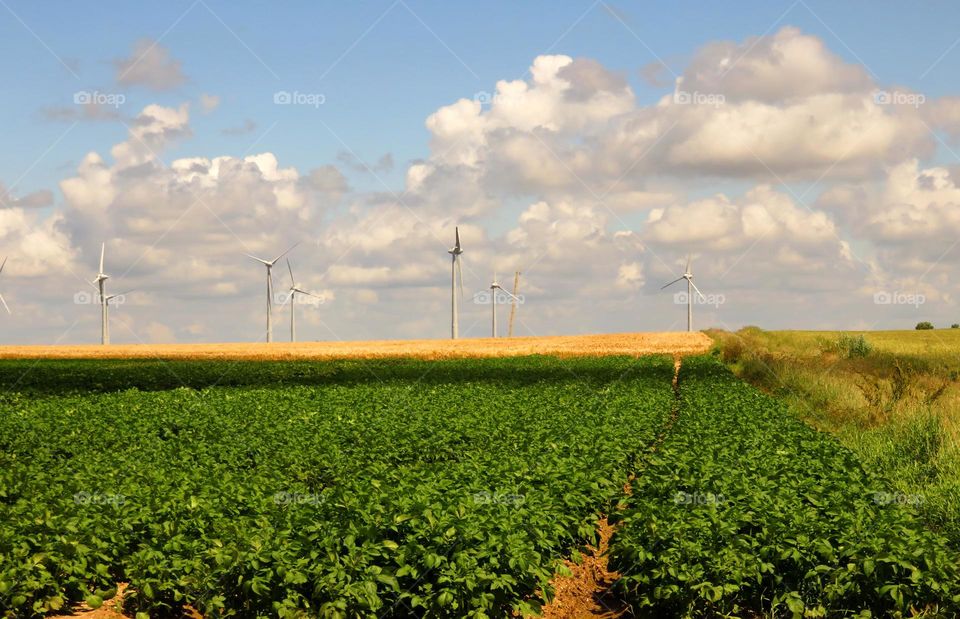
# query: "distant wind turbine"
100, 282
688, 275
269, 264
494, 287
1, 296
456, 275
106, 305
292, 298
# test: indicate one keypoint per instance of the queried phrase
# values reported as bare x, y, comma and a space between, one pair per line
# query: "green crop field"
441, 489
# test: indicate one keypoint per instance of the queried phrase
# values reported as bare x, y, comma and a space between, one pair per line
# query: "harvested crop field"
681, 343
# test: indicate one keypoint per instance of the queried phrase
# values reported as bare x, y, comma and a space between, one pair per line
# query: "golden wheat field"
565, 345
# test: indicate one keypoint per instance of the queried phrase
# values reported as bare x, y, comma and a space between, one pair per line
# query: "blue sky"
380, 86
799, 195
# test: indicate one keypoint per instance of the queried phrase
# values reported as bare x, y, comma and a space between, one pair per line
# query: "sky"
803, 155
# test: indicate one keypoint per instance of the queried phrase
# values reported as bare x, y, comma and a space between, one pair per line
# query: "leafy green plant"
446, 489
924, 326
853, 346
790, 523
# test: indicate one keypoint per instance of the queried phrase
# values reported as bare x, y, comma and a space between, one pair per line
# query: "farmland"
446, 488
893, 397
562, 345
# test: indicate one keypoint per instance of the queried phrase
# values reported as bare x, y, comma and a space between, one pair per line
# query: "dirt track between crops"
563, 345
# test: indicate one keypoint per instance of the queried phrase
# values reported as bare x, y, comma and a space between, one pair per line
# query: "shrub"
924, 326
955, 326
853, 346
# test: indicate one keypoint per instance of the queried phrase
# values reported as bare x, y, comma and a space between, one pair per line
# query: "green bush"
924, 326
853, 346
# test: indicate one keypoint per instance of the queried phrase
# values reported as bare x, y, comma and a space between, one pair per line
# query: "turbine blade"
293, 282
285, 253
310, 294
508, 293
688, 264
671, 283
698, 290
460, 276
457, 231
103, 248
4, 264
261, 260
289, 296
5, 304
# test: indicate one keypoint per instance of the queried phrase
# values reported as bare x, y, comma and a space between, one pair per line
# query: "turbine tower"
494, 287
688, 275
294, 289
456, 274
100, 282
5, 306
106, 313
269, 264
513, 305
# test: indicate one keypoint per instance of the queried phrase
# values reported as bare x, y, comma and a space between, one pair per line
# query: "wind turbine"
100, 281
294, 289
5, 306
513, 305
269, 264
456, 273
494, 287
688, 275
106, 313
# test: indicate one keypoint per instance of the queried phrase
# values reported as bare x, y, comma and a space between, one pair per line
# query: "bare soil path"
588, 591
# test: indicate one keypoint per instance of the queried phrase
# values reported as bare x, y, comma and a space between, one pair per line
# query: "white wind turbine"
269, 264
105, 299
106, 313
688, 275
1, 296
292, 297
456, 273
100, 282
494, 287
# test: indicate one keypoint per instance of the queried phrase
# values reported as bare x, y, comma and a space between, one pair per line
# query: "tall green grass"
894, 402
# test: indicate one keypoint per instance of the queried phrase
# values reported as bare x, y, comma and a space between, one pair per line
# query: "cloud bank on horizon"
830, 210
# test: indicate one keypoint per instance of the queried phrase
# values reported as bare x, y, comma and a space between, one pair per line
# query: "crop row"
745, 511
373, 489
